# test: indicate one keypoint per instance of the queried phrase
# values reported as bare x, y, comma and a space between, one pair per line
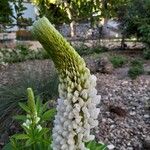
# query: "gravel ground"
11, 72
124, 121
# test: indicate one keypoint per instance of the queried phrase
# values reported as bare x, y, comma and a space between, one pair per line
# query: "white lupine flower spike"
77, 110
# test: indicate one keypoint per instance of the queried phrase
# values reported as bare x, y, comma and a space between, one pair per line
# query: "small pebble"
110, 147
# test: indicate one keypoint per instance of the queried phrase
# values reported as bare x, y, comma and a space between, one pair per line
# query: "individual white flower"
64, 147
90, 138
74, 99
82, 146
93, 123
70, 116
86, 125
97, 99
65, 133
92, 92
78, 119
87, 84
76, 94
92, 80
84, 94
69, 95
75, 125
71, 141
94, 113
79, 130
79, 88
77, 107
81, 102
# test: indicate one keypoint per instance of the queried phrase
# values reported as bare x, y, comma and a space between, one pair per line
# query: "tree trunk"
123, 42
104, 26
106, 17
72, 24
72, 29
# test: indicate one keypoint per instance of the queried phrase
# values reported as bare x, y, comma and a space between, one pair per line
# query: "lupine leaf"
24, 107
20, 136
93, 145
43, 131
20, 117
49, 115
29, 142
38, 105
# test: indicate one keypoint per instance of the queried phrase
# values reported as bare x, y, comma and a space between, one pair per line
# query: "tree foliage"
19, 9
11, 13
135, 20
59, 11
5, 13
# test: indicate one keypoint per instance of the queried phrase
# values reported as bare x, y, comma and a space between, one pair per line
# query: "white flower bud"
76, 94
39, 127
71, 141
28, 122
93, 92
81, 102
84, 94
97, 99
79, 88
65, 134
37, 119
78, 119
25, 125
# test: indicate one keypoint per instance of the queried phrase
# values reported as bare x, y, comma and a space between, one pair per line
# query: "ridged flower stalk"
76, 110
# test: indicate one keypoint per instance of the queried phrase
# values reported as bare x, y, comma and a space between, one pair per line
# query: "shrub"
146, 54
21, 53
118, 61
100, 49
84, 50
136, 62
135, 69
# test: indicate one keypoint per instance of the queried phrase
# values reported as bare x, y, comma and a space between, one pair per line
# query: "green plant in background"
35, 134
5, 15
21, 53
83, 50
136, 69
118, 61
146, 54
99, 49
44, 84
76, 110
